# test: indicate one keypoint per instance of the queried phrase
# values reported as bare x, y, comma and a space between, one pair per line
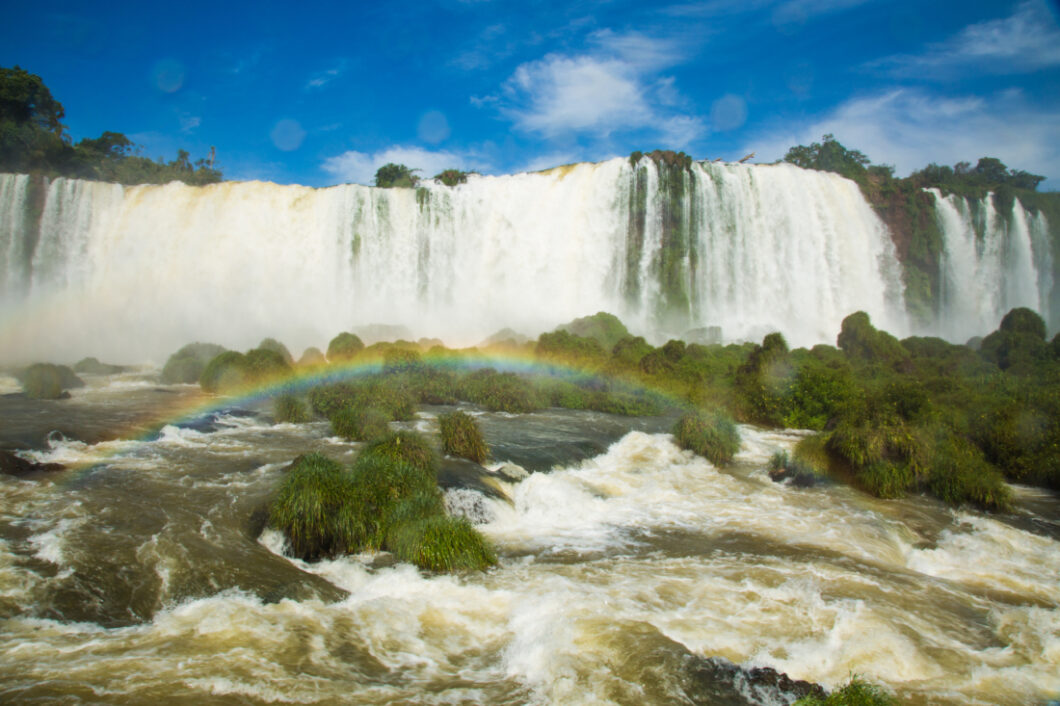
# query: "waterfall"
991, 262
133, 273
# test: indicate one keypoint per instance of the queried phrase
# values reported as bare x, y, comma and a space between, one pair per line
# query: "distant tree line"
33, 140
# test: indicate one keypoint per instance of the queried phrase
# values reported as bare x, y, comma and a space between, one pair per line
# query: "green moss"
462, 437
713, 436
315, 508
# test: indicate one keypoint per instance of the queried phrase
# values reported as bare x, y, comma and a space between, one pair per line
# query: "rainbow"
191, 407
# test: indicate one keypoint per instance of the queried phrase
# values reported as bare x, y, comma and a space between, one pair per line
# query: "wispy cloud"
613, 87
360, 167
910, 128
189, 122
783, 11
323, 78
1026, 40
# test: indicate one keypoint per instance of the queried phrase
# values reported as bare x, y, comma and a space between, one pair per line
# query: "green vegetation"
388, 500
187, 365
33, 140
391, 176
712, 436
344, 348
500, 392
271, 344
289, 408
857, 692
45, 381
462, 437
92, 366
232, 370
449, 177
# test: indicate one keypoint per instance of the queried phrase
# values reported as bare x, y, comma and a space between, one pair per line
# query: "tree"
830, 156
392, 175
25, 99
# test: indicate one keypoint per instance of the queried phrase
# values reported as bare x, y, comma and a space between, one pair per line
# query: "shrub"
627, 404
264, 364
224, 372
315, 508
462, 437
186, 365
565, 345
782, 467
312, 358
1019, 343
271, 344
289, 408
713, 436
960, 475
629, 350
557, 392
606, 329
862, 343
401, 360
391, 396
344, 347
92, 366
326, 400
763, 382
380, 486
442, 543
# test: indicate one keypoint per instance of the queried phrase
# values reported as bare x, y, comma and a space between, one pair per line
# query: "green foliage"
92, 366
360, 423
395, 176
326, 400
271, 344
606, 329
186, 365
863, 344
344, 347
226, 371
988, 174
312, 358
405, 447
856, 693
500, 392
401, 360
763, 381
564, 345
629, 351
783, 467
315, 508
462, 437
829, 156
713, 436
960, 475
441, 543
449, 177
264, 364
289, 408
1018, 344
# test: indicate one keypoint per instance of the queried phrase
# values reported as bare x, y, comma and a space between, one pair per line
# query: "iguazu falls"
541, 424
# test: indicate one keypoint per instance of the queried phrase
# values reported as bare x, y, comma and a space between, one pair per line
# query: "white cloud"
360, 167
612, 88
1027, 40
910, 129
323, 78
189, 122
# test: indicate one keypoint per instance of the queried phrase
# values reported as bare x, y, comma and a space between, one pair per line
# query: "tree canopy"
392, 175
33, 139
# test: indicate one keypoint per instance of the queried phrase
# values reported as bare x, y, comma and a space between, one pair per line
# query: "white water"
133, 273
991, 262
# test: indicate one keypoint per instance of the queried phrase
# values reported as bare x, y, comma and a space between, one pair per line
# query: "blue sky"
315, 94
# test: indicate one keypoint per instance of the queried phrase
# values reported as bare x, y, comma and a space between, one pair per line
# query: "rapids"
630, 570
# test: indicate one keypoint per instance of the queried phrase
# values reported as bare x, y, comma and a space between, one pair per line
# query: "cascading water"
991, 262
132, 273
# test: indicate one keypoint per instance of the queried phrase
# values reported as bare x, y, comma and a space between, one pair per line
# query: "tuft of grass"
501, 392
713, 436
442, 543
289, 408
344, 347
315, 508
462, 437
857, 692
360, 424
401, 447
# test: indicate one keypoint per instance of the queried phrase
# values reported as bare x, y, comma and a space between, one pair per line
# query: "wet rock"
92, 366
511, 471
13, 465
799, 478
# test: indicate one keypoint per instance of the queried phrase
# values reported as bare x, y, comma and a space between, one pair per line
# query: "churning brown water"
626, 577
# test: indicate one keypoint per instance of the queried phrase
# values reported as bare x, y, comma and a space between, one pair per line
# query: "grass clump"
186, 365
402, 447
442, 543
315, 509
360, 423
501, 392
344, 347
857, 692
290, 408
713, 436
462, 437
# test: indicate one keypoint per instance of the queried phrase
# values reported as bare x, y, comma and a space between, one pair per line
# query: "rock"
44, 381
92, 366
511, 471
13, 465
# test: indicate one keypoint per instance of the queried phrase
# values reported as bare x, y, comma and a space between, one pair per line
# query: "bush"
186, 365
629, 351
289, 408
344, 348
713, 436
397, 359
315, 508
224, 372
960, 475
782, 467
606, 329
1018, 344
92, 366
271, 344
763, 382
442, 543
567, 346
462, 437
264, 364
312, 358
862, 343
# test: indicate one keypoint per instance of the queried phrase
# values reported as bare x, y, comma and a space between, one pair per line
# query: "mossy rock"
45, 381
462, 437
92, 366
712, 436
